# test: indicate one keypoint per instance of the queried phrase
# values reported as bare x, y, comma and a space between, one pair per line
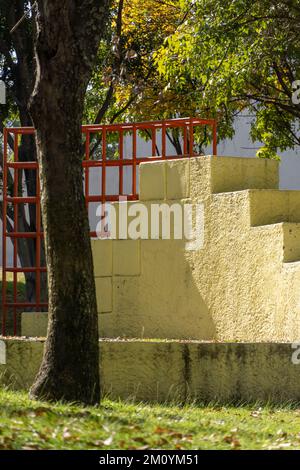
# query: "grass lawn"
25, 424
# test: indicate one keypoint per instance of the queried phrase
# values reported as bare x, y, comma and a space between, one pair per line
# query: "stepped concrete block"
126, 258
242, 284
104, 294
165, 219
159, 211
102, 256
178, 179
235, 174
294, 205
152, 181
121, 214
200, 178
34, 324
272, 206
291, 242
174, 371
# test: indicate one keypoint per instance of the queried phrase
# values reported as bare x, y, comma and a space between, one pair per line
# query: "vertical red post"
103, 176
215, 152
4, 232
38, 239
87, 168
153, 141
121, 153
134, 145
185, 140
191, 149
163, 140
103, 165
15, 240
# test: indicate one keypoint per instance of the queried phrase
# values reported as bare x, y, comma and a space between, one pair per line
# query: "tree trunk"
68, 34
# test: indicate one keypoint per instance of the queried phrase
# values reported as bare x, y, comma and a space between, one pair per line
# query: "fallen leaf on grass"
174, 434
256, 413
161, 442
160, 430
232, 440
109, 440
141, 440
66, 434
235, 444
6, 442
281, 433
283, 445
138, 448
40, 411
31, 446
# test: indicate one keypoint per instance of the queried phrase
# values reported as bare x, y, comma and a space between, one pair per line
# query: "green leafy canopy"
232, 55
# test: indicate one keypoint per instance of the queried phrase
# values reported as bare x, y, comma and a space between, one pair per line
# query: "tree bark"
68, 34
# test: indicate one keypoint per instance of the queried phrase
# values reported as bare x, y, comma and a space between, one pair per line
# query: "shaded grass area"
21, 296
26, 424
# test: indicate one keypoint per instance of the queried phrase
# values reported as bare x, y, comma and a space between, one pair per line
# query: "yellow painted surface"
104, 294
291, 242
152, 181
103, 258
242, 285
234, 174
34, 325
126, 255
171, 371
239, 286
177, 179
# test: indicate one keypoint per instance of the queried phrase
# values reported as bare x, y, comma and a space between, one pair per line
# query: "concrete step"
273, 206
288, 236
237, 173
168, 371
34, 324
291, 242
196, 177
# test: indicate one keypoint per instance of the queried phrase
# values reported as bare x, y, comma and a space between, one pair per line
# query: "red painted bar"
4, 227
134, 144
87, 168
103, 189
121, 154
38, 241
15, 240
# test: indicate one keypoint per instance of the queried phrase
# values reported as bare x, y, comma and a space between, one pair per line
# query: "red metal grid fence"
99, 140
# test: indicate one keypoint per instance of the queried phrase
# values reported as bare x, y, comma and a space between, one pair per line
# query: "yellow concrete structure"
175, 371
243, 284
235, 299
